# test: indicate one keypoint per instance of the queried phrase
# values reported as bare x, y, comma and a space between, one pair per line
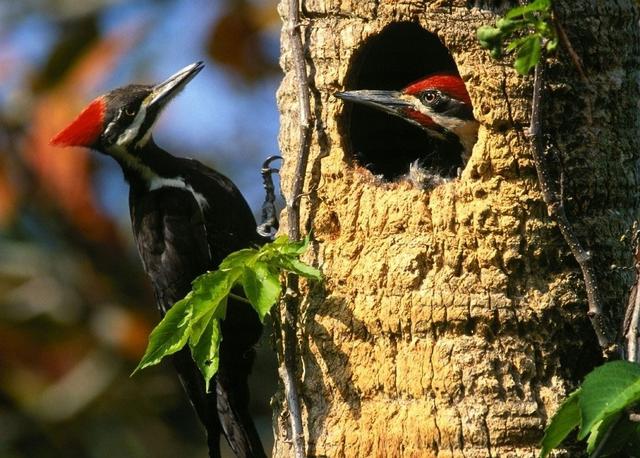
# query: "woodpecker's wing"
230, 224
181, 234
171, 238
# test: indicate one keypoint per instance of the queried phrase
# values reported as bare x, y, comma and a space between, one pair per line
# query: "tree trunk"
452, 321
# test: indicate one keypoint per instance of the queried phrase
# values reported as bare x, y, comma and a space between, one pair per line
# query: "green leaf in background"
518, 42
525, 29
542, 27
198, 327
196, 318
238, 258
552, 45
563, 422
496, 52
506, 25
533, 7
262, 287
170, 335
284, 246
599, 407
210, 289
529, 52
623, 440
607, 390
600, 431
298, 267
206, 352
489, 36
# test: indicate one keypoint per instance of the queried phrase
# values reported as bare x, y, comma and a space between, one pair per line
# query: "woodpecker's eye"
430, 97
129, 112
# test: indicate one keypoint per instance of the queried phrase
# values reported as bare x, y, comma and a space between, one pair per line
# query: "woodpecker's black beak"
392, 102
168, 89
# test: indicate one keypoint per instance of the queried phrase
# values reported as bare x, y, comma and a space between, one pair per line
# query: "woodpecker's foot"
269, 224
423, 178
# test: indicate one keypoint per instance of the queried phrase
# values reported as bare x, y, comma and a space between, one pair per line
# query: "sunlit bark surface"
452, 321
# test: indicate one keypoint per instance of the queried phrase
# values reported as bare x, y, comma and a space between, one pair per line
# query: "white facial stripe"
155, 181
464, 129
448, 123
121, 153
143, 141
113, 123
131, 132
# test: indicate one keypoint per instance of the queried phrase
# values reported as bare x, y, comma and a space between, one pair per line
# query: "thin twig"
566, 44
555, 208
632, 314
291, 299
300, 68
632, 334
288, 364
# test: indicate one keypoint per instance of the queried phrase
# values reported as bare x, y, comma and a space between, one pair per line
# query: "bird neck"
144, 164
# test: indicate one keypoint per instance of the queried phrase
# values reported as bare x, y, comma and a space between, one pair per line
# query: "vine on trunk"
602, 408
286, 323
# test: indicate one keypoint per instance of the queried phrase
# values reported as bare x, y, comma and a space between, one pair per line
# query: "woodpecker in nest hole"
439, 104
186, 218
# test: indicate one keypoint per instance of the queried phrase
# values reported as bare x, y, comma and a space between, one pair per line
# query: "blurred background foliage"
75, 306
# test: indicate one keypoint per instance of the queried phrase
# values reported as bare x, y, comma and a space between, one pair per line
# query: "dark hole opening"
401, 54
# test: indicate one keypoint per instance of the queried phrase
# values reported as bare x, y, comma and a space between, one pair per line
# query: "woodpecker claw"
266, 165
270, 224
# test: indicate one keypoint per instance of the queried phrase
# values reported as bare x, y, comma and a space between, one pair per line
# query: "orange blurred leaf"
235, 39
8, 195
65, 173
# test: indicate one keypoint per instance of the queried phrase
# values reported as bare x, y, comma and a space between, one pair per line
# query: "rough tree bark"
452, 322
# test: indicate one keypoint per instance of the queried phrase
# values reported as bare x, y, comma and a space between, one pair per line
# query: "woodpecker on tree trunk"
438, 103
186, 218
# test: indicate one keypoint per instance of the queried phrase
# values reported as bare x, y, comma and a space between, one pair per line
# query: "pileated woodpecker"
186, 218
439, 104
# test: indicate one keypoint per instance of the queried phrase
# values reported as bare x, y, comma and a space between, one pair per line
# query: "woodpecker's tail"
225, 410
232, 392
204, 403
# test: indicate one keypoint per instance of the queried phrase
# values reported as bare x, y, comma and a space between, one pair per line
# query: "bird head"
122, 119
439, 104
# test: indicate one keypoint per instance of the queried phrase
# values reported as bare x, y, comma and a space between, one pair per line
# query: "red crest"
85, 129
449, 84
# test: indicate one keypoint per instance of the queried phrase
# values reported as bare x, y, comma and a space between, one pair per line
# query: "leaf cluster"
525, 30
599, 408
195, 320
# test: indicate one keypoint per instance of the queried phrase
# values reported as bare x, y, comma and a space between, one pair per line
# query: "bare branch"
291, 299
632, 315
300, 68
555, 208
566, 44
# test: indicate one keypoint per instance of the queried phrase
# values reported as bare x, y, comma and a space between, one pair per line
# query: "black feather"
179, 239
